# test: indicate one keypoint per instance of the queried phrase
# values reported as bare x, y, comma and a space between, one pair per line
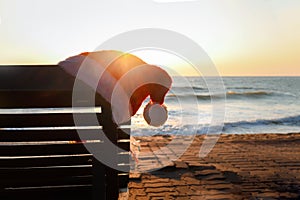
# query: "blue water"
253, 105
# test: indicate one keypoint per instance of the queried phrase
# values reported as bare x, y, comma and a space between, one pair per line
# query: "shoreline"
204, 134
240, 166
166, 135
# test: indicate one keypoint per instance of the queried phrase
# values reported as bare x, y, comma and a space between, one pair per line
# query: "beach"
240, 166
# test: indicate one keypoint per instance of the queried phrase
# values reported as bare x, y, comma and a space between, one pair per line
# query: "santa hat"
120, 78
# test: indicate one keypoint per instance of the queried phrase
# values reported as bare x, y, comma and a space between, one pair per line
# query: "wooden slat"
45, 120
49, 135
53, 161
41, 150
78, 192
42, 86
51, 149
47, 99
35, 99
35, 77
45, 161
42, 173
54, 180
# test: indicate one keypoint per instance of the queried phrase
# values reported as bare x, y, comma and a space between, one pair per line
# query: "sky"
242, 37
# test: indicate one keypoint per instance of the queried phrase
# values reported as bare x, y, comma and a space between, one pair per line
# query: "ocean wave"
286, 121
244, 88
229, 95
189, 96
252, 93
291, 121
184, 88
191, 129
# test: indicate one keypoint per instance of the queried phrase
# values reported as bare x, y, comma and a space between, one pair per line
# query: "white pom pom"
155, 114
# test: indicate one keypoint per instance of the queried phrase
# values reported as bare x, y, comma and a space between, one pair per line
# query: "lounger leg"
99, 180
112, 188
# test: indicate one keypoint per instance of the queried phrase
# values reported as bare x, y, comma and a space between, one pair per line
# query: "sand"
249, 166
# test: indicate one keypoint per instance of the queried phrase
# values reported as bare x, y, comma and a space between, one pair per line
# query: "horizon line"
226, 75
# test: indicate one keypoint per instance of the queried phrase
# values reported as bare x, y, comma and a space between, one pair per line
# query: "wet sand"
260, 166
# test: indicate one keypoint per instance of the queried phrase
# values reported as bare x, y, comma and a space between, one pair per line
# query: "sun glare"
170, 62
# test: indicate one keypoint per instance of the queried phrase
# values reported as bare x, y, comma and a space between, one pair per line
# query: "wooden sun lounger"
53, 163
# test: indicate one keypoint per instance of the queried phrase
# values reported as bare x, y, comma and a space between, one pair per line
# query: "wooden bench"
42, 156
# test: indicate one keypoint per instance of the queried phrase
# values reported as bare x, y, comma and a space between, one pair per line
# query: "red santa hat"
122, 79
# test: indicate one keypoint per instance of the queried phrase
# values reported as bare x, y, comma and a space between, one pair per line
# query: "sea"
250, 105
